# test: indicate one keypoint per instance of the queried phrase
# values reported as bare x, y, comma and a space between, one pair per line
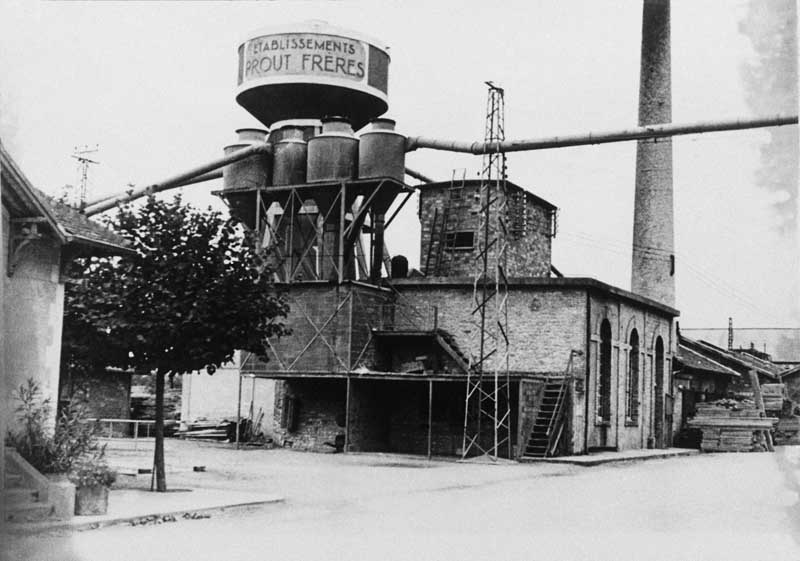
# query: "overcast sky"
153, 84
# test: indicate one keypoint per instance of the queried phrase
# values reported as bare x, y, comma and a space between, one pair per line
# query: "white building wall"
33, 306
214, 397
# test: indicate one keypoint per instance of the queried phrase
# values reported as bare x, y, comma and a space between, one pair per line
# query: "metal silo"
290, 155
250, 173
333, 155
382, 151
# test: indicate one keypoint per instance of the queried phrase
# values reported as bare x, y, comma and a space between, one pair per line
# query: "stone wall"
544, 324
331, 327
621, 432
529, 240
318, 410
108, 393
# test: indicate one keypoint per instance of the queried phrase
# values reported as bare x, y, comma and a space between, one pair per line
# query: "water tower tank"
312, 70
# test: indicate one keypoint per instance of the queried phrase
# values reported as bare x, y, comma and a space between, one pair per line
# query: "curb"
36, 527
603, 461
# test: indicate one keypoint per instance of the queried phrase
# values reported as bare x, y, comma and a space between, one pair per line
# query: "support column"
430, 417
653, 260
347, 418
238, 411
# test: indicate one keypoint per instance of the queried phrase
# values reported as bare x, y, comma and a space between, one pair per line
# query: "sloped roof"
740, 362
513, 187
781, 343
65, 223
695, 360
794, 371
79, 227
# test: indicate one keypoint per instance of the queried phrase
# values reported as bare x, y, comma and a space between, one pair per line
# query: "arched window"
604, 382
632, 385
658, 408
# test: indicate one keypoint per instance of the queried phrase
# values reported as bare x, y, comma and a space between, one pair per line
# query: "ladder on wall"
444, 228
548, 425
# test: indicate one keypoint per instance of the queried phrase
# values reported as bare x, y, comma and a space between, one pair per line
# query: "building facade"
384, 367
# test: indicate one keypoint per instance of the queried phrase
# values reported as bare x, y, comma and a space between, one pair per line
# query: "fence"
131, 430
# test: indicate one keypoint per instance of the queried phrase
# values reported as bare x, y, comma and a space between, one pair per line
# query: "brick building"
384, 367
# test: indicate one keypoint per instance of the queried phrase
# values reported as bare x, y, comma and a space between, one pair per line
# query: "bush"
73, 439
90, 472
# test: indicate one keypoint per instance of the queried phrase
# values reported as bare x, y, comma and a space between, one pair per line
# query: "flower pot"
91, 500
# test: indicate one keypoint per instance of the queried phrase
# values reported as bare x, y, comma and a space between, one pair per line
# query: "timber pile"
788, 430
774, 395
209, 430
730, 425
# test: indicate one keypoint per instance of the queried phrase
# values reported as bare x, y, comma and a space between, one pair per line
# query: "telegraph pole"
83, 167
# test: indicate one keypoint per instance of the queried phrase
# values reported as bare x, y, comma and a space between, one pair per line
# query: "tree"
194, 292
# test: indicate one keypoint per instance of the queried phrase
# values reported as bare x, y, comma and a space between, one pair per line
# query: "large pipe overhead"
623, 135
200, 174
181, 179
210, 176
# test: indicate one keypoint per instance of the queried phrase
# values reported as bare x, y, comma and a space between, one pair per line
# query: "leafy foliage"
194, 292
91, 472
72, 440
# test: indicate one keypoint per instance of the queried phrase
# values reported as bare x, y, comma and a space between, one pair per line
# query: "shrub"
92, 471
73, 439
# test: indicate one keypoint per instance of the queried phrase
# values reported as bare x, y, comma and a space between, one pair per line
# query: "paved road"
715, 507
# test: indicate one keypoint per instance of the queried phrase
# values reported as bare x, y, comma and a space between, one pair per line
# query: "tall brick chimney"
653, 267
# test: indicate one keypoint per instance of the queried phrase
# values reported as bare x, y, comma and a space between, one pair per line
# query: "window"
632, 385
604, 382
459, 240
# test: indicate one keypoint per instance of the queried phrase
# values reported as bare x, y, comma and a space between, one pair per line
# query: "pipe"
182, 178
637, 133
417, 175
210, 176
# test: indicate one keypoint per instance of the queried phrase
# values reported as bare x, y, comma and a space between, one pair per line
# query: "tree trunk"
158, 459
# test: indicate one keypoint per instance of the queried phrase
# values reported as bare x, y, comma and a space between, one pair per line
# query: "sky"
152, 83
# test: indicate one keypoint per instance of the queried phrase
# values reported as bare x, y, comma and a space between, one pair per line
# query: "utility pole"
83, 168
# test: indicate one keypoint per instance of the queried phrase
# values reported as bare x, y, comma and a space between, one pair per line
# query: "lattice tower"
487, 411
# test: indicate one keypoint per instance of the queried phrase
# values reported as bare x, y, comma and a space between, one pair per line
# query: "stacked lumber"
208, 430
730, 425
773, 395
787, 430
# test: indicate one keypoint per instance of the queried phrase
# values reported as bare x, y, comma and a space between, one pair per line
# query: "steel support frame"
487, 402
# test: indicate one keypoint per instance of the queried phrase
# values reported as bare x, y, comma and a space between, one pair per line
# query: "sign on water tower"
312, 70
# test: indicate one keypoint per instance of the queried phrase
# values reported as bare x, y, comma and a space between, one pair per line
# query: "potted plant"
92, 478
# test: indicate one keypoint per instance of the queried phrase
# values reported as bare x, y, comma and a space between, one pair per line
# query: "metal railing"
106, 430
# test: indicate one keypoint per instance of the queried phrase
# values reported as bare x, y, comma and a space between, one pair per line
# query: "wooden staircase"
543, 439
548, 424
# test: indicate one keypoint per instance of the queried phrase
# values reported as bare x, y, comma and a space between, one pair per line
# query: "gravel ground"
373, 506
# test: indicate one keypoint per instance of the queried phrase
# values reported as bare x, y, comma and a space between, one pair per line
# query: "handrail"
558, 412
134, 422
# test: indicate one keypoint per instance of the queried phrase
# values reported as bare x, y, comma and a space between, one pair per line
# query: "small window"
460, 240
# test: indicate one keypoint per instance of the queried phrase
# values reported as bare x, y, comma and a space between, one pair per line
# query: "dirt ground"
374, 506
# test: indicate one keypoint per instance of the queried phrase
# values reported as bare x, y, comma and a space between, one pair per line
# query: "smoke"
770, 82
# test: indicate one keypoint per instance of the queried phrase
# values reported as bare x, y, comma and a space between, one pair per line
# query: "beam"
623, 135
